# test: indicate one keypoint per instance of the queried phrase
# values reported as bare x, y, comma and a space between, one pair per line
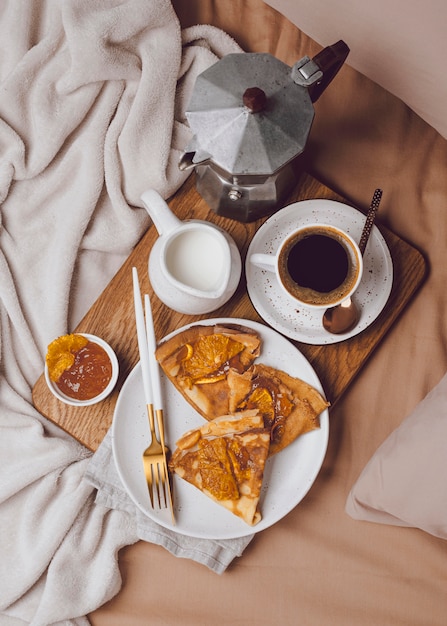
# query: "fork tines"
156, 476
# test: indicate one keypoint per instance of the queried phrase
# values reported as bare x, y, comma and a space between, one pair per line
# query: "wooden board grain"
112, 315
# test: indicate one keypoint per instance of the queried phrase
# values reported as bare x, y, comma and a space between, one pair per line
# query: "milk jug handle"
163, 218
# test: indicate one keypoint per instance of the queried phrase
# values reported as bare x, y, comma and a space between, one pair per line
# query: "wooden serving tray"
112, 315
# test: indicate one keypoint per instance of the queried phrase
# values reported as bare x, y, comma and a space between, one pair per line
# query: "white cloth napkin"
92, 101
102, 473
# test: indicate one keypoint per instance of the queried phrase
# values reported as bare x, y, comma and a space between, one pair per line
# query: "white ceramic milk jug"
194, 266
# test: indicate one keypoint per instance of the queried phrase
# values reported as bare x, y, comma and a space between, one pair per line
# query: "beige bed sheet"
318, 566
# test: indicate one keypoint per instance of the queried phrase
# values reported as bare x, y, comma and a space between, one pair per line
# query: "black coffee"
318, 266
318, 262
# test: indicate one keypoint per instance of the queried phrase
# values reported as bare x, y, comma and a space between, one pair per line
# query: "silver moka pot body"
251, 115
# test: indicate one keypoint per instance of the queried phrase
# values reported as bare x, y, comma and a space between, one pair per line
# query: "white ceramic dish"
115, 371
280, 311
194, 266
288, 475
188, 303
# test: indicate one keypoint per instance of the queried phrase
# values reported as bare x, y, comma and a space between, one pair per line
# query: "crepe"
225, 459
197, 361
213, 368
290, 407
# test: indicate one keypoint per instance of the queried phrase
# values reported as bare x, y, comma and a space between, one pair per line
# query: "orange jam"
89, 374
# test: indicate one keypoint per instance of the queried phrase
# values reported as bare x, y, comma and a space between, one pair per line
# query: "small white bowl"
115, 370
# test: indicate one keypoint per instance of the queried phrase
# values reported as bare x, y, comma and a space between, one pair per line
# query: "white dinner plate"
281, 311
288, 475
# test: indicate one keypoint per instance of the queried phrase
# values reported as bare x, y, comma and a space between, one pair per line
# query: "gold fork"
154, 463
154, 457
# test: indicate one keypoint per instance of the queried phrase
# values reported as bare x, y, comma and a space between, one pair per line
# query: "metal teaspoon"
343, 317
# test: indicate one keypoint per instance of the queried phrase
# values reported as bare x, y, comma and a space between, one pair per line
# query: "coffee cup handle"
264, 261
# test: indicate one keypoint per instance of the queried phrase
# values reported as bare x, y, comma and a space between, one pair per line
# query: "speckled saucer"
282, 312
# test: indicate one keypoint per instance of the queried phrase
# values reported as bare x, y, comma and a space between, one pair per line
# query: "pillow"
403, 51
405, 482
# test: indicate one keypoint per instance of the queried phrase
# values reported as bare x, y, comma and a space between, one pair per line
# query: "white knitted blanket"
92, 100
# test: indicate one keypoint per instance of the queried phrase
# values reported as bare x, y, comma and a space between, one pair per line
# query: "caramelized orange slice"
209, 354
216, 470
206, 380
185, 352
262, 399
61, 354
